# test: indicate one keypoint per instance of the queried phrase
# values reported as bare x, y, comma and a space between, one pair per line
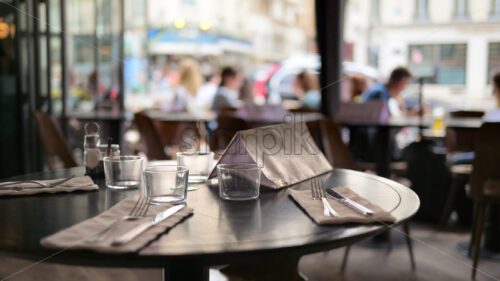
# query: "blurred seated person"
190, 81
305, 87
494, 116
358, 87
363, 139
207, 92
228, 91
391, 92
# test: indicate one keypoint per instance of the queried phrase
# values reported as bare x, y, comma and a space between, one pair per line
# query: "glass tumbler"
238, 181
123, 172
165, 183
200, 165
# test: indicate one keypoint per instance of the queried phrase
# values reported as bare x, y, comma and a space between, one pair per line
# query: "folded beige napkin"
81, 183
286, 153
74, 237
346, 215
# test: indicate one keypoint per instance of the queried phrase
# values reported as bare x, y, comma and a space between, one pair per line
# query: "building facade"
453, 44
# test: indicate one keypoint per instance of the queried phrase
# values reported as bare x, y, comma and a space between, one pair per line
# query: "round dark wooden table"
271, 228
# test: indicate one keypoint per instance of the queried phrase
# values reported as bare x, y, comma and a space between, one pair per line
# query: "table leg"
266, 269
185, 271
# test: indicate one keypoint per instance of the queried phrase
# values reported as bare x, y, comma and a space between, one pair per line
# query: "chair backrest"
486, 165
304, 109
53, 141
461, 139
150, 137
327, 135
466, 114
334, 146
227, 126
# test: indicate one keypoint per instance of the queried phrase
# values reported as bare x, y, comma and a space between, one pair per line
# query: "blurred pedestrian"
228, 91
190, 81
306, 88
494, 116
358, 87
207, 92
246, 91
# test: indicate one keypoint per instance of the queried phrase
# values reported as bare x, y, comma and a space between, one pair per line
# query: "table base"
266, 270
185, 271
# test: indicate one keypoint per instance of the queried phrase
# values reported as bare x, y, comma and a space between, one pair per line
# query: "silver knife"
349, 203
134, 232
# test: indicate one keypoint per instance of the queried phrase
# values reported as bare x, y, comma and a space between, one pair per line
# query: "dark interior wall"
9, 129
21, 91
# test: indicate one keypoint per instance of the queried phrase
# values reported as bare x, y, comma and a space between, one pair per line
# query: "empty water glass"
123, 172
238, 181
200, 164
165, 183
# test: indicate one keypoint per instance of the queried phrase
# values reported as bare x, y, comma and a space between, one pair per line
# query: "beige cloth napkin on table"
87, 181
346, 215
74, 236
286, 153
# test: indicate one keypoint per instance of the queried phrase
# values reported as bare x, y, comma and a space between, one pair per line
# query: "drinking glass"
238, 181
123, 172
200, 165
165, 183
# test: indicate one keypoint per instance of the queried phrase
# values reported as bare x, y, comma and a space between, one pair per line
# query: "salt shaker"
91, 154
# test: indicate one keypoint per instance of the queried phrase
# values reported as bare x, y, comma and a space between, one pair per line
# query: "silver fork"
8, 186
139, 211
318, 193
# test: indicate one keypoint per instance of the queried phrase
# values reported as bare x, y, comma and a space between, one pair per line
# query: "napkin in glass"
286, 153
74, 236
314, 208
81, 183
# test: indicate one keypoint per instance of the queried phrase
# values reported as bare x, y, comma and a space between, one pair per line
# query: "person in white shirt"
228, 91
207, 92
494, 116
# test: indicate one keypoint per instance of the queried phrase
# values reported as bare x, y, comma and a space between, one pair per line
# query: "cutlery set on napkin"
127, 236
29, 187
113, 231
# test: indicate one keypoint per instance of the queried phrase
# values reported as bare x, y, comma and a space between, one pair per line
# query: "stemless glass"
200, 165
165, 183
238, 181
123, 172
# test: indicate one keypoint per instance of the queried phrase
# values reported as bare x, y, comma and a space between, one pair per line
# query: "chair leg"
473, 228
448, 207
344, 260
406, 229
478, 235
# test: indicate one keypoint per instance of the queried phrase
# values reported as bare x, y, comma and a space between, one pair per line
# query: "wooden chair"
150, 137
461, 140
458, 140
53, 142
330, 142
227, 127
484, 181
